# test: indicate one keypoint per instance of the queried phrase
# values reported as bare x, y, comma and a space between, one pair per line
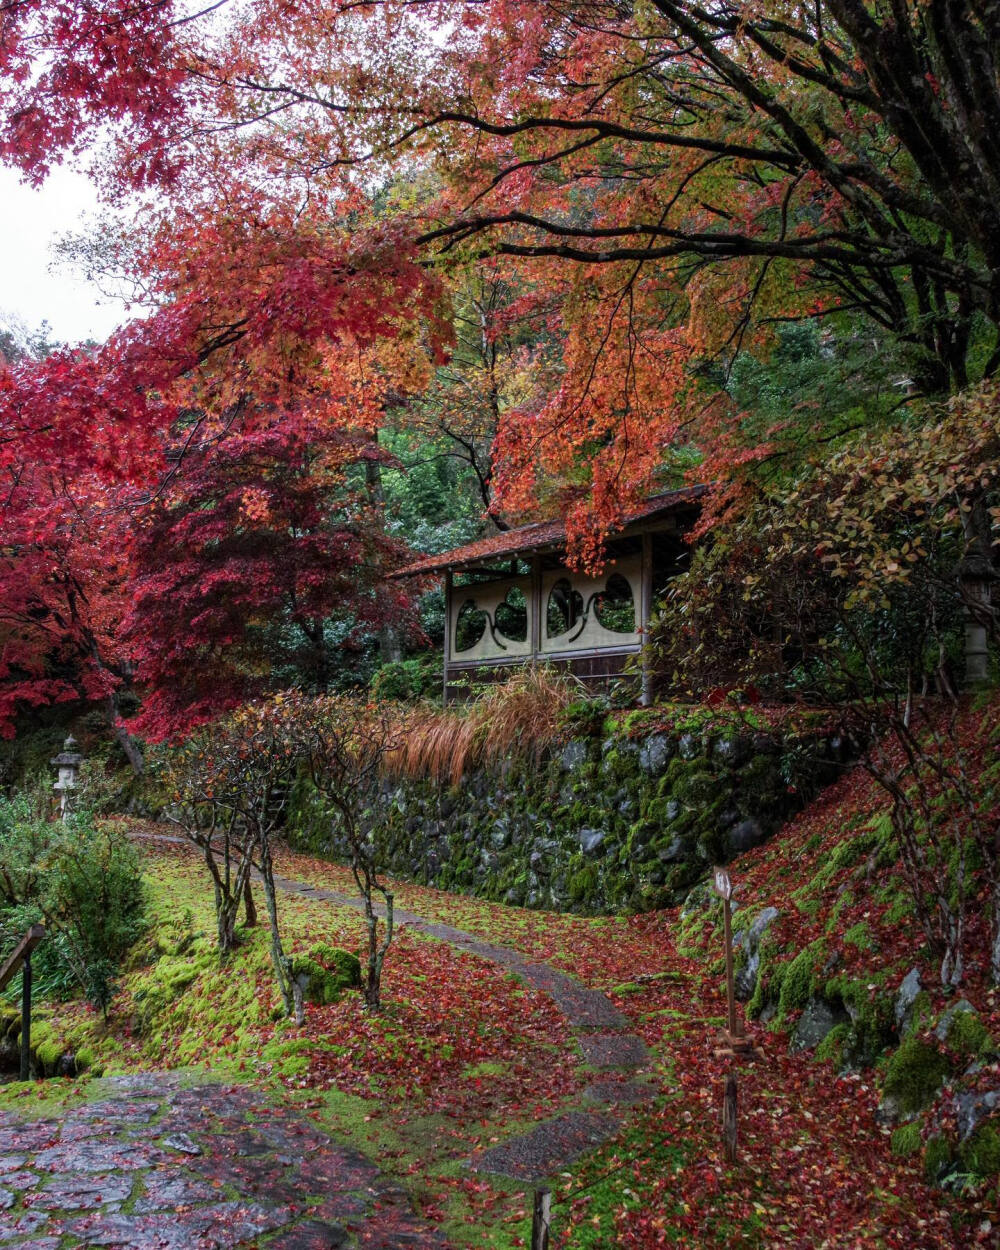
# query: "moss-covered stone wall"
599, 825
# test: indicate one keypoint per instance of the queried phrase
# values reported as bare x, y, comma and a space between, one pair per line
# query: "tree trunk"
249, 906
125, 740
389, 642
377, 951
279, 960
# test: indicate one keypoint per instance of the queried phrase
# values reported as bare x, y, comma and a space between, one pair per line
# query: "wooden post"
447, 633
729, 1106
535, 616
26, 1018
734, 1041
645, 614
541, 1217
727, 921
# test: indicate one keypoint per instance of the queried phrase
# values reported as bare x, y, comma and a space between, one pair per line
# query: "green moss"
968, 1035
343, 964
48, 1054
937, 1159
583, 884
906, 1140
487, 1068
696, 787
831, 1048
319, 985
980, 1155
860, 935
798, 981
844, 900
914, 1075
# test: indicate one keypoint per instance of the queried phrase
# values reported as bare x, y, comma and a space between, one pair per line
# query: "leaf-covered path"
602, 1032
162, 1161
599, 1027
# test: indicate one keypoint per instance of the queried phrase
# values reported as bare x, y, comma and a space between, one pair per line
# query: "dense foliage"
84, 882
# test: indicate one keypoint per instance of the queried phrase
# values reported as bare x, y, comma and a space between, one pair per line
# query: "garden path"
599, 1028
170, 1161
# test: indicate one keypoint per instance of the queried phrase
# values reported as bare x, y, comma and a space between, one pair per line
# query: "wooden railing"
22, 957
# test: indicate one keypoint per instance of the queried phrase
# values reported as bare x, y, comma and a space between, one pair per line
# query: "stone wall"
600, 825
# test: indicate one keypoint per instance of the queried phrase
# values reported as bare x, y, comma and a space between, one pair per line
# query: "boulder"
654, 754
732, 751
574, 755
748, 940
500, 836
817, 1020
743, 836
591, 840
540, 864
688, 747
909, 988
949, 1019
972, 1108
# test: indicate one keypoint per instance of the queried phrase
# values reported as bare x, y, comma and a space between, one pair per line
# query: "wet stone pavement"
155, 1162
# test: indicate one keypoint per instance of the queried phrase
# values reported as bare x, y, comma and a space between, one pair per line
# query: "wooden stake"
727, 916
540, 1219
729, 1102
26, 1016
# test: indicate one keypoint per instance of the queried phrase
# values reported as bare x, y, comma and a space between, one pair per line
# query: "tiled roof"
541, 535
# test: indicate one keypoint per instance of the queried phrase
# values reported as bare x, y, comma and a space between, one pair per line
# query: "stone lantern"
68, 762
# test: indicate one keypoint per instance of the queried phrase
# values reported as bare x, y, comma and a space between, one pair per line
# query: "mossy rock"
10, 1023
914, 1075
798, 980
346, 966
906, 1140
317, 984
872, 1027
832, 1046
583, 884
325, 973
938, 1161
967, 1035
980, 1155
48, 1056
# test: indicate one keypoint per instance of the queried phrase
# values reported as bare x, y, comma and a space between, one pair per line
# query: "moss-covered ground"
464, 1055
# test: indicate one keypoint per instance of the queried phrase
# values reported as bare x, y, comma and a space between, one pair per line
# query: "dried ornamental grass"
521, 717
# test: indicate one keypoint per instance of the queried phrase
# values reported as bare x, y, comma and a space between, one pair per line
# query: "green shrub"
84, 883
407, 681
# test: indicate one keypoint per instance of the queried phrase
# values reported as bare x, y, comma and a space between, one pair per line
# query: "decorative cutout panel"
491, 621
587, 613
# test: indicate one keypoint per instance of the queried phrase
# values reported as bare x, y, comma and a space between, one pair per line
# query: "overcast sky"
30, 223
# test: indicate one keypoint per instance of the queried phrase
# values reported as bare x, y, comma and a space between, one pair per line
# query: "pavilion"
511, 599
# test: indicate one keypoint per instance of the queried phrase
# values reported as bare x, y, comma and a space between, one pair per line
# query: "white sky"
31, 221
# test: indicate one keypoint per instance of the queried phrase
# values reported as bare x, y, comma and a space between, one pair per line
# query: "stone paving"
157, 1162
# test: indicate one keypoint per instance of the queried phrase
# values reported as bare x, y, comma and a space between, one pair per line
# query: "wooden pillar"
535, 622
645, 613
447, 633
26, 1017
